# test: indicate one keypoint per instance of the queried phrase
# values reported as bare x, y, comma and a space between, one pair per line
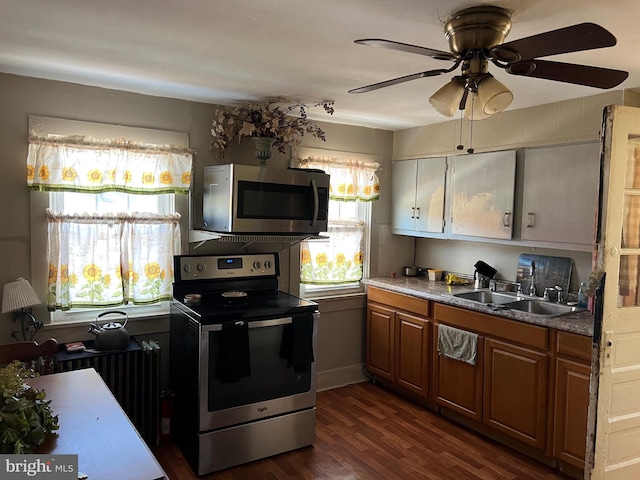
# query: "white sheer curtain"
103, 260
340, 259
130, 259
336, 260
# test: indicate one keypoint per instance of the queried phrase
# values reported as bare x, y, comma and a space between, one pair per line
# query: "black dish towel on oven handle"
235, 360
297, 343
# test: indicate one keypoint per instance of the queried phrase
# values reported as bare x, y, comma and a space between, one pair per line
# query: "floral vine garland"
286, 125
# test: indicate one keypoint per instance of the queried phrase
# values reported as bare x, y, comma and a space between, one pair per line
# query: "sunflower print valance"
83, 164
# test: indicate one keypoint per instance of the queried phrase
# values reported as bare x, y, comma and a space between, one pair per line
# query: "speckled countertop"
580, 323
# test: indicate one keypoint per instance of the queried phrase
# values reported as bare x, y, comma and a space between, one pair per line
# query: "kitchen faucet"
560, 294
532, 272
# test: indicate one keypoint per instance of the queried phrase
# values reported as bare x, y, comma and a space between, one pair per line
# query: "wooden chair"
39, 357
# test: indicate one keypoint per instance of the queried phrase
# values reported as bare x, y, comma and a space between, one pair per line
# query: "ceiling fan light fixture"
493, 95
447, 99
473, 110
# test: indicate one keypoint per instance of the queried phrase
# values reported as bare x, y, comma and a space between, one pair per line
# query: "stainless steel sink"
512, 301
486, 296
542, 308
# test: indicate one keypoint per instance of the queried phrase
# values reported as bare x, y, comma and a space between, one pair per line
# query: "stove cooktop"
214, 308
254, 274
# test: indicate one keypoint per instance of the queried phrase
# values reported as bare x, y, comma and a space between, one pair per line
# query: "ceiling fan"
476, 37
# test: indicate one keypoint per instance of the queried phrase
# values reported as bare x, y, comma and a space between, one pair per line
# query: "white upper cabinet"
545, 196
560, 194
482, 195
418, 197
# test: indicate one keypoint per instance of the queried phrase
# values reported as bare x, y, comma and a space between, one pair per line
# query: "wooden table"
94, 426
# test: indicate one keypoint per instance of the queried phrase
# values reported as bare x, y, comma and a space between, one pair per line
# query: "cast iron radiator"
132, 375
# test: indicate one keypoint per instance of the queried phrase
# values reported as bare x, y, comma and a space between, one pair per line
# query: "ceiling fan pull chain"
470, 149
460, 146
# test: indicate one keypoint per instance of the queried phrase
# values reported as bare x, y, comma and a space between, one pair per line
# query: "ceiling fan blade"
569, 73
396, 81
584, 36
405, 47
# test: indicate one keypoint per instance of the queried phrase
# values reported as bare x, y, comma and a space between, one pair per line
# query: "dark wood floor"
365, 432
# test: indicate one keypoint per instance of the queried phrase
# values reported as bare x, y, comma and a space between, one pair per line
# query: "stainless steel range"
242, 361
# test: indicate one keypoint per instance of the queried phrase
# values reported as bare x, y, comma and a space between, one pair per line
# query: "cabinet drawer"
416, 305
574, 346
518, 332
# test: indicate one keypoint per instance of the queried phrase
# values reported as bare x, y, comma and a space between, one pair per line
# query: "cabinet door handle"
506, 219
413, 212
531, 219
417, 212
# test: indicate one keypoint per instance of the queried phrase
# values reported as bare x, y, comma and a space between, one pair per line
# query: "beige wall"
571, 121
22, 96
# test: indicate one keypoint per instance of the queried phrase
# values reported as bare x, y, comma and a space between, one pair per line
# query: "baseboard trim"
339, 377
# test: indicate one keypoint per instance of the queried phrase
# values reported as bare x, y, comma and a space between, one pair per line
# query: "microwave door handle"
316, 203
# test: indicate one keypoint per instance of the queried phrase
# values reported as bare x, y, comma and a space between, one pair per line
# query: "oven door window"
270, 374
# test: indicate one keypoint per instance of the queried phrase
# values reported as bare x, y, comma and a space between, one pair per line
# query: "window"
345, 219
112, 226
338, 263
110, 203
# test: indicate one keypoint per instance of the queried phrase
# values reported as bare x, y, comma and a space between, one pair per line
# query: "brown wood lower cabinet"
573, 370
529, 386
506, 390
515, 391
380, 341
398, 340
458, 385
412, 353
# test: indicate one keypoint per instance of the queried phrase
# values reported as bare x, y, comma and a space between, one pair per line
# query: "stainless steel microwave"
244, 199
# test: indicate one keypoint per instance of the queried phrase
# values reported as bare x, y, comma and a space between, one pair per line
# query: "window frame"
40, 201
364, 213
166, 205
308, 290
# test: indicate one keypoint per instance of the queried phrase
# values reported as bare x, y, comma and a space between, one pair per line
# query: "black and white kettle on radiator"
111, 336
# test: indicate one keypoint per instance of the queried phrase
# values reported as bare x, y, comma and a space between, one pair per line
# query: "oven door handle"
258, 324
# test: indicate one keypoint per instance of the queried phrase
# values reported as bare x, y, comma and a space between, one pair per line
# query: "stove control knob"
201, 267
188, 268
267, 264
256, 265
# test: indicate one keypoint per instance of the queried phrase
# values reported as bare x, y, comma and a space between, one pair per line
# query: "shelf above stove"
201, 236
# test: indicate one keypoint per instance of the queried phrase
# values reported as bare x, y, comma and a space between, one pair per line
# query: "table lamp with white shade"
18, 297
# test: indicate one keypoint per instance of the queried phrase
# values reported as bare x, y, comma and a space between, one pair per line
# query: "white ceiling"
220, 51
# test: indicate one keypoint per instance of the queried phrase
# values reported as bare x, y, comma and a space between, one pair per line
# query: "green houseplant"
25, 415
285, 125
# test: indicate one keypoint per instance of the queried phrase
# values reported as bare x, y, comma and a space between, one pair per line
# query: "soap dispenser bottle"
582, 296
